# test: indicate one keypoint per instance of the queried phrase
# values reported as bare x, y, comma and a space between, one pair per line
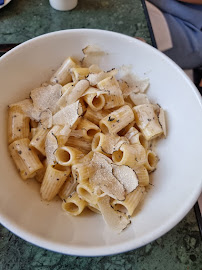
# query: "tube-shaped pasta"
79, 143
113, 101
40, 173
142, 175
95, 117
94, 208
87, 158
124, 130
131, 132
79, 73
25, 158
89, 129
62, 75
82, 172
67, 86
147, 120
33, 124
139, 138
95, 102
151, 161
18, 124
117, 120
32, 133
110, 85
38, 141
53, 180
85, 192
131, 202
97, 143
130, 155
74, 205
66, 155
68, 187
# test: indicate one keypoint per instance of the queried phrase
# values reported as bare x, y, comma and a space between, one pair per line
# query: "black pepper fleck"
20, 152
110, 119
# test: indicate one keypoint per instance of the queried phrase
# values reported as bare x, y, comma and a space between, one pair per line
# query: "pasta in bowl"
90, 140
87, 135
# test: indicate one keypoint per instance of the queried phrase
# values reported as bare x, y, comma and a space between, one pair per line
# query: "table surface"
181, 248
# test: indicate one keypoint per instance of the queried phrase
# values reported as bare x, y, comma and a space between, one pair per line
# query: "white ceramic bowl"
177, 181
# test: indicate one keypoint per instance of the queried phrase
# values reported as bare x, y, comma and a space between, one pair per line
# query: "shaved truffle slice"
95, 78
162, 121
104, 178
92, 55
51, 145
124, 88
68, 115
46, 118
112, 143
94, 69
27, 107
46, 97
101, 161
126, 177
116, 220
135, 84
139, 98
73, 93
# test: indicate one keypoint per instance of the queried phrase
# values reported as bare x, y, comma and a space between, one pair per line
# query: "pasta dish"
87, 136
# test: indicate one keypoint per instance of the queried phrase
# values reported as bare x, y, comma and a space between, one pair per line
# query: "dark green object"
22, 20
179, 249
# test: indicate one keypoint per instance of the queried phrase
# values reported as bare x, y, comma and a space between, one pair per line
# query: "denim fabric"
185, 24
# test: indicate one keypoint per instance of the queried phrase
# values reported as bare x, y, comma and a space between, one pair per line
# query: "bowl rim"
114, 248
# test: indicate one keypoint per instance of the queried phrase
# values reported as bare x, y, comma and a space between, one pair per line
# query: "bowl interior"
176, 183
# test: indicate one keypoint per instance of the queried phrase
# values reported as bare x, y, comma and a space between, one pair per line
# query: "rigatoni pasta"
25, 158
74, 205
53, 180
18, 124
87, 137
